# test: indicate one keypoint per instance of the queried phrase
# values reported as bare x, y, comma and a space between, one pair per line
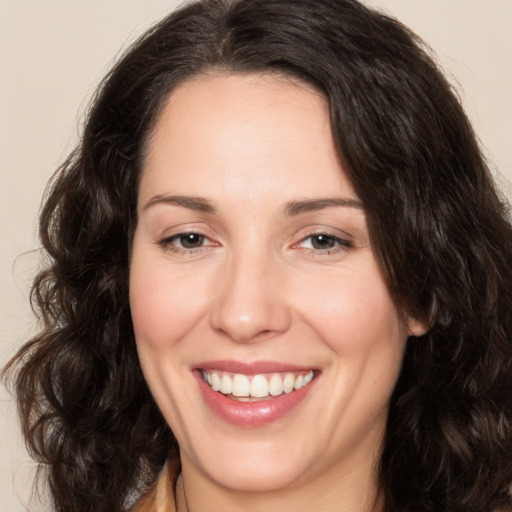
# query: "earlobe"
416, 327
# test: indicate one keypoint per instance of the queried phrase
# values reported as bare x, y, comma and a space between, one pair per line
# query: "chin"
256, 476
259, 467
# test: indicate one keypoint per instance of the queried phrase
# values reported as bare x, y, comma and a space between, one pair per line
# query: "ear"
415, 327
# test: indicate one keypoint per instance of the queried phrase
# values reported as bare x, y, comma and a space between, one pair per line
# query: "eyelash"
338, 244
168, 243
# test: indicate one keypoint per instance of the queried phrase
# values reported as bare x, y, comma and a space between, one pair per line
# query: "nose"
250, 302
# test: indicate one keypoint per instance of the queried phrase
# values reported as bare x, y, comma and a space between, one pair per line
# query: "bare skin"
252, 246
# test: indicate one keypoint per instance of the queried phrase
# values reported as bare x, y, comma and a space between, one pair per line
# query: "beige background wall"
53, 52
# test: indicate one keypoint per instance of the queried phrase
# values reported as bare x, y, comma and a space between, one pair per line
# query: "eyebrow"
193, 203
312, 205
292, 208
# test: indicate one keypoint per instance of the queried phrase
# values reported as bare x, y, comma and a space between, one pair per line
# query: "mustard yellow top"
161, 497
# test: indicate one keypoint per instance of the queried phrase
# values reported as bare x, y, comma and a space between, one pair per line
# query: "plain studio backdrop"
54, 53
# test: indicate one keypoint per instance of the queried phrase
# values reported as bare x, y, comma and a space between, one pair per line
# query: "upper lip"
251, 367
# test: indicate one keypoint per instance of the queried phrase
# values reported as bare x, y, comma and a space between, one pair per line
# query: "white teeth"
275, 387
215, 382
289, 382
226, 385
241, 385
259, 386
299, 382
256, 386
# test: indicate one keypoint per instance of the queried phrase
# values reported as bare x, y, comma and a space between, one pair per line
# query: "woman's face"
252, 268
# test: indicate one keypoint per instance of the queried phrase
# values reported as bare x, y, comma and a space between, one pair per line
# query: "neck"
195, 492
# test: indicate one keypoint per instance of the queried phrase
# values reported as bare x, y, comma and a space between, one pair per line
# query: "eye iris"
191, 240
322, 242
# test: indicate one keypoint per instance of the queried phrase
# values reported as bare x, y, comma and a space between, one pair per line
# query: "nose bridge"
250, 301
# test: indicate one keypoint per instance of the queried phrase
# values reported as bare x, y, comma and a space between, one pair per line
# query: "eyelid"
176, 236
343, 241
167, 243
167, 230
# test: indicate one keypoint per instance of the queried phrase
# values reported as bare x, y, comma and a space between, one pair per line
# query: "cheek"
165, 305
358, 322
353, 312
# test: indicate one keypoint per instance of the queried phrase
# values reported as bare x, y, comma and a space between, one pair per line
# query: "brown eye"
323, 242
185, 241
190, 240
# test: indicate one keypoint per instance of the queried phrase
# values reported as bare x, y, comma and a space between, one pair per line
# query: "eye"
187, 242
324, 242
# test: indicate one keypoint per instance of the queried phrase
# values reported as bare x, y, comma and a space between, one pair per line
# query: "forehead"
239, 133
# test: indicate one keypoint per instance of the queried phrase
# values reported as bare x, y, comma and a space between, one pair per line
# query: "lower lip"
251, 414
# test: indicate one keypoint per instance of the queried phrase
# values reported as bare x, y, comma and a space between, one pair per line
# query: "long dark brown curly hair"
439, 229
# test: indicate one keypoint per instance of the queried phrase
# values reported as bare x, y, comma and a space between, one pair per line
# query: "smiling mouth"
259, 387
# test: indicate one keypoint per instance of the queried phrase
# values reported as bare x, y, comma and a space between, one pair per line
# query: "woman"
279, 278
